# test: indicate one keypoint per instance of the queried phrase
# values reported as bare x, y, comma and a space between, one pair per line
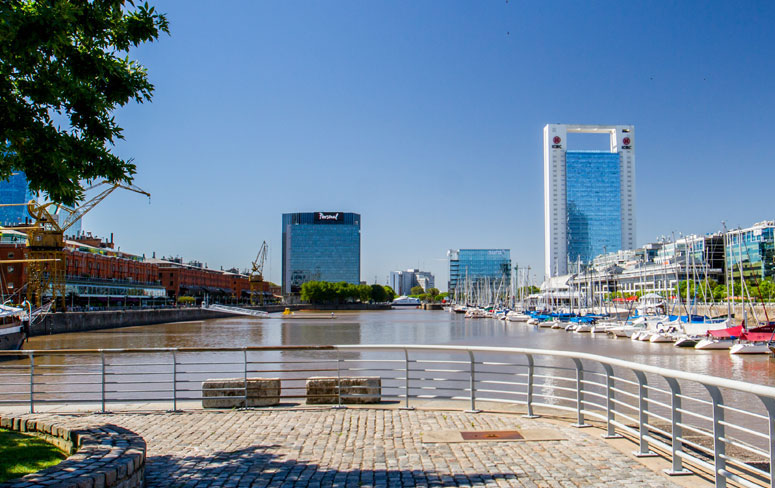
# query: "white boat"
686, 341
709, 344
583, 328
532, 321
405, 301
750, 348
475, 313
517, 317
662, 337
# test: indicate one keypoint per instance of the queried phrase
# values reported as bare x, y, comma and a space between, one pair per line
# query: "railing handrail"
752, 388
755, 389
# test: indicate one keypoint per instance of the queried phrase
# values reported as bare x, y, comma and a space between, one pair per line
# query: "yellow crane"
257, 274
46, 243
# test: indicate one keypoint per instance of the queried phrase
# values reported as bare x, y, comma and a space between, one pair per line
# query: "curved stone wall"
103, 456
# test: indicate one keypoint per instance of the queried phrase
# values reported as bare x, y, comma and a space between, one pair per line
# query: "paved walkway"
369, 447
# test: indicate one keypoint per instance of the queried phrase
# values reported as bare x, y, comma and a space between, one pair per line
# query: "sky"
426, 118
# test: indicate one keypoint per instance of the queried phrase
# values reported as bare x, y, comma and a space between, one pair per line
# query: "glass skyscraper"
593, 202
473, 268
15, 190
320, 246
589, 197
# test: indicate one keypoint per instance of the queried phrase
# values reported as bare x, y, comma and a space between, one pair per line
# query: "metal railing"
721, 426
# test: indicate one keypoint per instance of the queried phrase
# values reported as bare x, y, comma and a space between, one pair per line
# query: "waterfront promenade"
304, 446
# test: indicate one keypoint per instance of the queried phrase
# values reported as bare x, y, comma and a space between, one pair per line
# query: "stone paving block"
230, 392
354, 390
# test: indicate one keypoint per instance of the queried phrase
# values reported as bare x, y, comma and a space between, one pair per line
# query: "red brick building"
98, 274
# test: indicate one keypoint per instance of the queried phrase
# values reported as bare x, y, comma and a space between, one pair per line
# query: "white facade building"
403, 281
575, 229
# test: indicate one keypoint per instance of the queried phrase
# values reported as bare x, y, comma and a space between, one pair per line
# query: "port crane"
46, 242
257, 274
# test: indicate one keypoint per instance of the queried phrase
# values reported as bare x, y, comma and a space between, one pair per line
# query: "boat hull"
749, 348
11, 338
707, 345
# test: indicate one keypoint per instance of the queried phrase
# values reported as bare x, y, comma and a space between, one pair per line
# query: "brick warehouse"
97, 274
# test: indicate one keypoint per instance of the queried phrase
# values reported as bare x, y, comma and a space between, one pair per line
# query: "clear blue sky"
426, 117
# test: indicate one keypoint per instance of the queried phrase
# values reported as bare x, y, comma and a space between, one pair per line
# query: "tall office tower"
15, 190
479, 269
321, 246
589, 196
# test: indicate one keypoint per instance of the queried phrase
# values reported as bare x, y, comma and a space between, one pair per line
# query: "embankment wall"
58, 323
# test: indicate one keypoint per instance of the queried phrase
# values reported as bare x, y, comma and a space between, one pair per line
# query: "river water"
410, 327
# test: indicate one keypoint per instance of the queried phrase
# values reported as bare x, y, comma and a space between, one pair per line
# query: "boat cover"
756, 336
726, 333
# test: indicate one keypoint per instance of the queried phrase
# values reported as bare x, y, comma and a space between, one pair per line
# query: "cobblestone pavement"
365, 447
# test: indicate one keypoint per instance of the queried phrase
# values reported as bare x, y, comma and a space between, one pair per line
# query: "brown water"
410, 327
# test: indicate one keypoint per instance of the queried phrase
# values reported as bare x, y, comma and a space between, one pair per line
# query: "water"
410, 327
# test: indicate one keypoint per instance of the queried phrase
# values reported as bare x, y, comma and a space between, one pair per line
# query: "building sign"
329, 217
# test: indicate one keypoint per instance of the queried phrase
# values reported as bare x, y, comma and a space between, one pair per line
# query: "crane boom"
79, 212
257, 274
258, 263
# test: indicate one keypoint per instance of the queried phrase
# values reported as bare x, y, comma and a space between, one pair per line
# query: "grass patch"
24, 454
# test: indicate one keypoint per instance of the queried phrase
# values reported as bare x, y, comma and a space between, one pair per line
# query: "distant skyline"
426, 118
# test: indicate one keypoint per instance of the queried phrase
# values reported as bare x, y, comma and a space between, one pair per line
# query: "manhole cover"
485, 435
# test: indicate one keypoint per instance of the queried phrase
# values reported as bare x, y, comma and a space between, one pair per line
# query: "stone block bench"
230, 392
354, 390
104, 456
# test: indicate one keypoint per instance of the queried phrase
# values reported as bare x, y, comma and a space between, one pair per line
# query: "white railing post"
610, 431
32, 382
102, 381
406, 382
643, 419
769, 403
174, 381
338, 381
719, 447
676, 445
530, 370
579, 395
245, 374
473, 408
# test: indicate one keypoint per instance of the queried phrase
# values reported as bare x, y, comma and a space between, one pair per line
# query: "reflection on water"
407, 327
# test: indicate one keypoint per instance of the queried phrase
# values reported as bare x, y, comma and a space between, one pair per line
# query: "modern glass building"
753, 250
14, 190
593, 202
589, 197
471, 269
320, 246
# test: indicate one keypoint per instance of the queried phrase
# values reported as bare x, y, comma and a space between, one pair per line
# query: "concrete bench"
358, 389
230, 392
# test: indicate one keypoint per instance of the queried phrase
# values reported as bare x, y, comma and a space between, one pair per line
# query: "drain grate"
491, 435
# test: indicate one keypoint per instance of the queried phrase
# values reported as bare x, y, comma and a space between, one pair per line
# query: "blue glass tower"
477, 267
593, 202
14, 190
589, 197
320, 246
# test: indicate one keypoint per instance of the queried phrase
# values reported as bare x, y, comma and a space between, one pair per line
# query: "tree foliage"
64, 69
416, 290
324, 292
